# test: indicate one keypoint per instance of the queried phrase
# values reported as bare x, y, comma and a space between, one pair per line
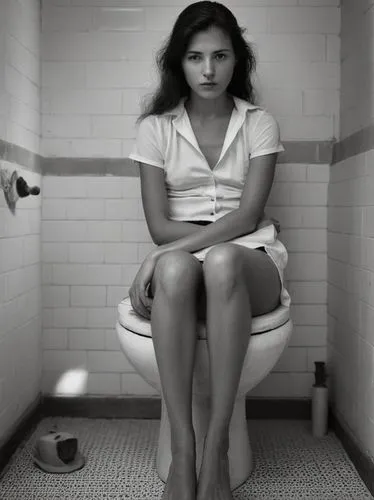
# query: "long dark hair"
195, 18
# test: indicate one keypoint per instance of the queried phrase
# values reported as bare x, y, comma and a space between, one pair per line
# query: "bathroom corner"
73, 74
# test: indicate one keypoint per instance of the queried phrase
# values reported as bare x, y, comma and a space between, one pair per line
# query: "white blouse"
195, 191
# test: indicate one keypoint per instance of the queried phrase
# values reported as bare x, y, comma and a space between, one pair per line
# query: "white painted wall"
97, 62
20, 269
351, 236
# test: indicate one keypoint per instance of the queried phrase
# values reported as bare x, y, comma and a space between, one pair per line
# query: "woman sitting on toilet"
207, 157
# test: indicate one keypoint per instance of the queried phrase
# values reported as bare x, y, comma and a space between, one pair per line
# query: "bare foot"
214, 479
181, 481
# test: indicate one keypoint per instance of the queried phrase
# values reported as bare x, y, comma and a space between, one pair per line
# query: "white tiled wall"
351, 237
3, 99
357, 66
91, 252
20, 73
93, 240
20, 270
98, 61
351, 294
20, 305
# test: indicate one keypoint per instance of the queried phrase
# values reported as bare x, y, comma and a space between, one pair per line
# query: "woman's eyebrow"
215, 52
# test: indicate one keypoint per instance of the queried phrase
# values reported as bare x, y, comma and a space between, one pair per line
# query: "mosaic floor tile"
289, 464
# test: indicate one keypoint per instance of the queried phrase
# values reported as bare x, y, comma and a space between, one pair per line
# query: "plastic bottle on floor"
319, 401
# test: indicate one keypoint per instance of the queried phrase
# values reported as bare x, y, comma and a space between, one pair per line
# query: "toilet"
270, 335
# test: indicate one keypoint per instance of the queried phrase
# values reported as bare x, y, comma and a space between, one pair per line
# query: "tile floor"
120, 464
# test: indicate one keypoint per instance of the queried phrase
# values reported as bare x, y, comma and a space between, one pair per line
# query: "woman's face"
209, 58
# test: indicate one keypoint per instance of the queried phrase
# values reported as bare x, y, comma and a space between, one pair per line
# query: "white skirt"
265, 237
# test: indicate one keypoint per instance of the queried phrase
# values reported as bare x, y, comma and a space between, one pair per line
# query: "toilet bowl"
270, 335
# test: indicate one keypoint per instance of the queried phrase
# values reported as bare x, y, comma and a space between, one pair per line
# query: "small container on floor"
320, 401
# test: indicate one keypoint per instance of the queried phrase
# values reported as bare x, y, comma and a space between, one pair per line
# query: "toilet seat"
130, 320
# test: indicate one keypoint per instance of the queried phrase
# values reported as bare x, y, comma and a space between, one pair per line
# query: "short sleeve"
266, 136
147, 146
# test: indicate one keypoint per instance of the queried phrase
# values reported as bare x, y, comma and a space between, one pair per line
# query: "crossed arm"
176, 235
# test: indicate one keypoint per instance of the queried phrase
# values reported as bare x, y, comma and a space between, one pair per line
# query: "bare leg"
227, 273
175, 284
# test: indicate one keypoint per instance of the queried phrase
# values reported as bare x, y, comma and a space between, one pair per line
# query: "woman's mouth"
208, 85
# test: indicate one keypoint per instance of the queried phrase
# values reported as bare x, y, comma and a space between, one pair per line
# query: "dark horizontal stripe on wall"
20, 156
90, 166
359, 142
312, 152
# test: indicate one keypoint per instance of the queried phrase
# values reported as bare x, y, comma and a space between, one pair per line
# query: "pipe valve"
15, 187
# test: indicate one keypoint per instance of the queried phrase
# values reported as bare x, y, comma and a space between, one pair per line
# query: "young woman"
207, 156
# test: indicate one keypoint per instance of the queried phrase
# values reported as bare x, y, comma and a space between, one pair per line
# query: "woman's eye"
195, 57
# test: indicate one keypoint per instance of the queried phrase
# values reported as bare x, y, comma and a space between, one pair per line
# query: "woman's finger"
137, 304
145, 301
140, 309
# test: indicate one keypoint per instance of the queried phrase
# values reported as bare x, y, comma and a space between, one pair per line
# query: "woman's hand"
140, 302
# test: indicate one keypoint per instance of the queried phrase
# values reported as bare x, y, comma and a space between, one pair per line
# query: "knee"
223, 268
176, 273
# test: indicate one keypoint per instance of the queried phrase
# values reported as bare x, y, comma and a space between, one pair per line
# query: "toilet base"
240, 453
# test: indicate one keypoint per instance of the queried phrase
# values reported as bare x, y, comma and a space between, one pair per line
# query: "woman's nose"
208, 69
